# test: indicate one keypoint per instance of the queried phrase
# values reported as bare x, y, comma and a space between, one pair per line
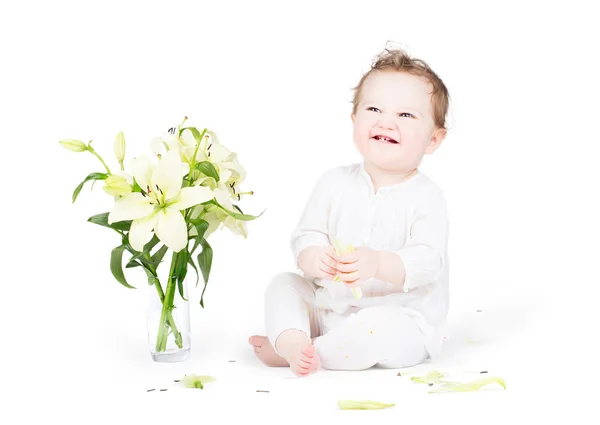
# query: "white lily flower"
158, 207
186, 144
225, 162
238, 173
237, 227
224, 196
212, 214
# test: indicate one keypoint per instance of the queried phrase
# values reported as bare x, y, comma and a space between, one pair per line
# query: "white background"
274, 79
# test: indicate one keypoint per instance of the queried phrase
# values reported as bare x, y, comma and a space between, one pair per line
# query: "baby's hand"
358, 266
318, 261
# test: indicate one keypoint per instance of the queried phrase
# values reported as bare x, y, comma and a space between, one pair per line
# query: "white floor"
105, 375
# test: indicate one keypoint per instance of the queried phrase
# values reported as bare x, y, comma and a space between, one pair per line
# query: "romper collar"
385, 189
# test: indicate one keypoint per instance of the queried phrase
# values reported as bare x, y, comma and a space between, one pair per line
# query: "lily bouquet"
169, 202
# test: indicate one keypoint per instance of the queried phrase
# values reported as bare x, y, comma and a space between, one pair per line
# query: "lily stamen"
239, 195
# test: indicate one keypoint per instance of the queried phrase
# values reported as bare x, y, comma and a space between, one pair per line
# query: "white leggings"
359, 339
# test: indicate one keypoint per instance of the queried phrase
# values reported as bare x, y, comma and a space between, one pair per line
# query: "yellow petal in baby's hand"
341, 250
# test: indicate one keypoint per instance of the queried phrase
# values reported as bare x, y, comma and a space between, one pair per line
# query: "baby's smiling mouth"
385, 139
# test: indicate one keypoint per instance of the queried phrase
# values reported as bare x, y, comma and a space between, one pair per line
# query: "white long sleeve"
313, 226
424, 255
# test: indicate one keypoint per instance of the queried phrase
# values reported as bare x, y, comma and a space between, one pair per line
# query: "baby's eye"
372, 108
405, 114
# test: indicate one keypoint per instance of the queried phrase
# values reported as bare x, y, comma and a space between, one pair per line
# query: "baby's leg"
382, 335
288, 313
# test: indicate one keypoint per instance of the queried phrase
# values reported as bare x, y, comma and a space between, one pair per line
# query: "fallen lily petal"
363, 405
433, 377
196, 381
468, 386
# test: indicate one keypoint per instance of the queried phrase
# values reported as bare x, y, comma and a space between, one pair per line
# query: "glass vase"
168, 317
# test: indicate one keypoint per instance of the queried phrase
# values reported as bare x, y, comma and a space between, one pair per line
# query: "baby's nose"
385, 123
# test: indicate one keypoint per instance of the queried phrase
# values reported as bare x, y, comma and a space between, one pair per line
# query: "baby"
396, 219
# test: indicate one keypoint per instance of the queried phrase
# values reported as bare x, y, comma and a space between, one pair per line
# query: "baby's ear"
436, 140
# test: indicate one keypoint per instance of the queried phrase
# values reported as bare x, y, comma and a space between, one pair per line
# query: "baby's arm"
422, 259
310, 241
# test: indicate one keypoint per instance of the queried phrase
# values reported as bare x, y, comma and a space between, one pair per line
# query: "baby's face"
395, 105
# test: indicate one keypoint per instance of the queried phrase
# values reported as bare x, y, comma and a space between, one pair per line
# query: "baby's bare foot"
303, 357
304, 360
265, 352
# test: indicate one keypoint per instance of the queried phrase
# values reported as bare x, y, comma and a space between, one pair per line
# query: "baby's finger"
327, 269
325, 275
347, 267
330, 252
350, 257
354, 284
349, 277
327, 260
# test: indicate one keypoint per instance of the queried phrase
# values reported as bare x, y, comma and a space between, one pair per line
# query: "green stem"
167, 306
161, 296
93, 152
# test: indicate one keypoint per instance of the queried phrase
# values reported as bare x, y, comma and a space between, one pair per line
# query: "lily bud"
120, 147
74, 145
117, 185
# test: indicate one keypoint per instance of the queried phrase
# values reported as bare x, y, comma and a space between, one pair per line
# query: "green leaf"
137, 254
132, 263
148, 247
243, 217
159, 255
191, 262
205, 261
180, 270
142, 256
102, 220
201, 227
206, 168
195, 133
92, 176
116, 265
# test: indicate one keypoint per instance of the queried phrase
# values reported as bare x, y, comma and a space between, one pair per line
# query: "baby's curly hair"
399, 60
